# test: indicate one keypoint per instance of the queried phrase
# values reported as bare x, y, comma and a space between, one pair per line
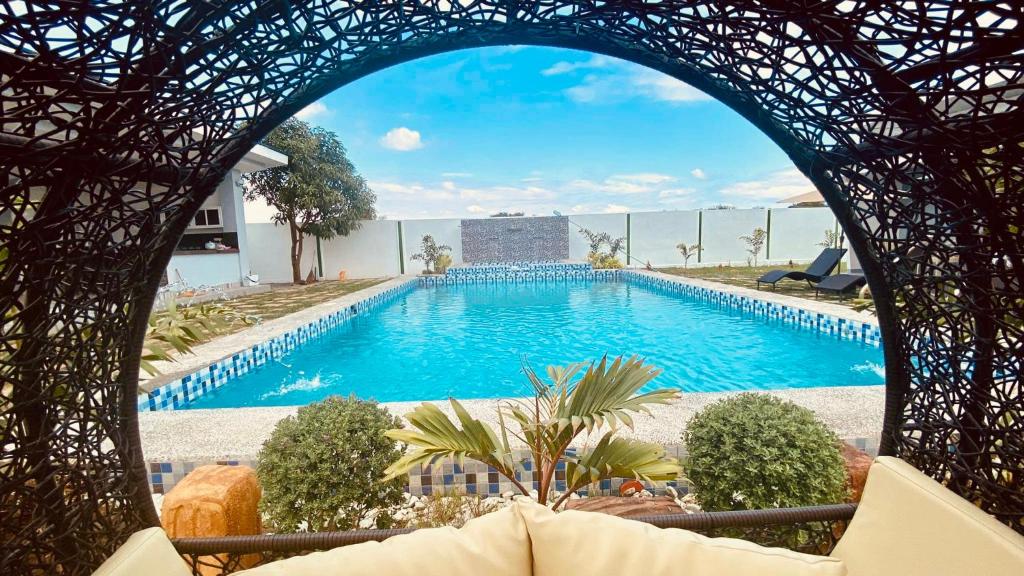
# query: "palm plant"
560, 411
688, 251
431, 252
178, 329
755, 241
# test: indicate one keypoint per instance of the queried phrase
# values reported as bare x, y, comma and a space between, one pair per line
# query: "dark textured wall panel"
515, 239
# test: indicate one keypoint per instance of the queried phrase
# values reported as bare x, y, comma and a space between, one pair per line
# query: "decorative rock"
214, 501
857, 464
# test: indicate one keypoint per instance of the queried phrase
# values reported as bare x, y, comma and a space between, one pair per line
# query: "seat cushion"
592, 543
910, 525
146, 552
494, 544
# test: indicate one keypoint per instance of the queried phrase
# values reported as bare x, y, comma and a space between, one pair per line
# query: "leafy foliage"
319, 193
177, 329
323, 466
832, 239
755, 242
688, 251
596, 241
434, 255
560, 411
444, 261
754, 451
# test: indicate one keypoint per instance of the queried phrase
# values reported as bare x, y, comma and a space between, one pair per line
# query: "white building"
214, 251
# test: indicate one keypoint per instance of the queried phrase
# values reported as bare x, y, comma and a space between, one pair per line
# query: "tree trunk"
296, 252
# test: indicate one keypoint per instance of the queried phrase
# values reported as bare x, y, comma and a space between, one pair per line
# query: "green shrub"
755, 451
324, 466
603, 261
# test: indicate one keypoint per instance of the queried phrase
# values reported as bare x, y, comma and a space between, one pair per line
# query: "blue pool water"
466, 341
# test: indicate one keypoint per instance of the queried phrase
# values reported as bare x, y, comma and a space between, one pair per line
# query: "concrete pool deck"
238, 433
228, 345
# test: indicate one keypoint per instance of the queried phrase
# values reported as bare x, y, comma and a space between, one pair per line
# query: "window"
207, 218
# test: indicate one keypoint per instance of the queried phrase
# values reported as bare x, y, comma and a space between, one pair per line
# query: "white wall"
653, 236
204, 269
613, 224
371, 251
796, 233
269, 253
721, 231
445, 231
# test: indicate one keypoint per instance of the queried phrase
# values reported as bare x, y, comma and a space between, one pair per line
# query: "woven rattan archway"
119, 117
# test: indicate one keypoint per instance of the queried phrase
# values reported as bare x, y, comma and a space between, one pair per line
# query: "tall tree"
319, 193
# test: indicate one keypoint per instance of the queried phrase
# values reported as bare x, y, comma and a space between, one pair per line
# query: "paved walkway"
238, 433
224, 346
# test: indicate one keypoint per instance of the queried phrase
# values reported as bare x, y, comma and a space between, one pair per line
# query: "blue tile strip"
842, 328
180, 392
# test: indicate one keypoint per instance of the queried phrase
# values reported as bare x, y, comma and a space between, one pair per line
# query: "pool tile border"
197, 384
470, 477
177, 393
843, 328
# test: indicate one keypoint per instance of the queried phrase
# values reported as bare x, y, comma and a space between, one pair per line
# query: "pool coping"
213, 364
216, 363
175, 442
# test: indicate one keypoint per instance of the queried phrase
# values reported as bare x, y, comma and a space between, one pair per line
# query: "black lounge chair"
822, 266
839, 284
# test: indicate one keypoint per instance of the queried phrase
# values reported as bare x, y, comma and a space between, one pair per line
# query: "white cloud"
615, 209
698, 174
456, 174
645, 178
402, 139
676, 198
476, 209
312, 111
565, 67
773, 187
626, 81
676, 192
624, 183
658, 86
532, 179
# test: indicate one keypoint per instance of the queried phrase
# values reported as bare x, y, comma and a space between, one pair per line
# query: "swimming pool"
466, 341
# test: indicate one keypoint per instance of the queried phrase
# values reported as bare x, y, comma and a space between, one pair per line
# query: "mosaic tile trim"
507, 267
472, 477
179, 393
843, 328
520, 277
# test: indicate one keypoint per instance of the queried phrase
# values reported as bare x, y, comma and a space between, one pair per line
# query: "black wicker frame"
120, 117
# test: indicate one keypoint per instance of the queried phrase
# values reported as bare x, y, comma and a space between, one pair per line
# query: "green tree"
319, 193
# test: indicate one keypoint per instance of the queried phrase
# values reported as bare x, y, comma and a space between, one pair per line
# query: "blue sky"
473, 132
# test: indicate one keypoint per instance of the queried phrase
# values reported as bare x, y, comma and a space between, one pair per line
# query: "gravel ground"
238, 433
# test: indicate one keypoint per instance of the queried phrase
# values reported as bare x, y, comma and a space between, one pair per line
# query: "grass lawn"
285, 299
746, 276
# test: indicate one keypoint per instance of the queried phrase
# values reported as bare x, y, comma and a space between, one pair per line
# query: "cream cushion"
910, 525
590, 543
496, 544
146, 552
